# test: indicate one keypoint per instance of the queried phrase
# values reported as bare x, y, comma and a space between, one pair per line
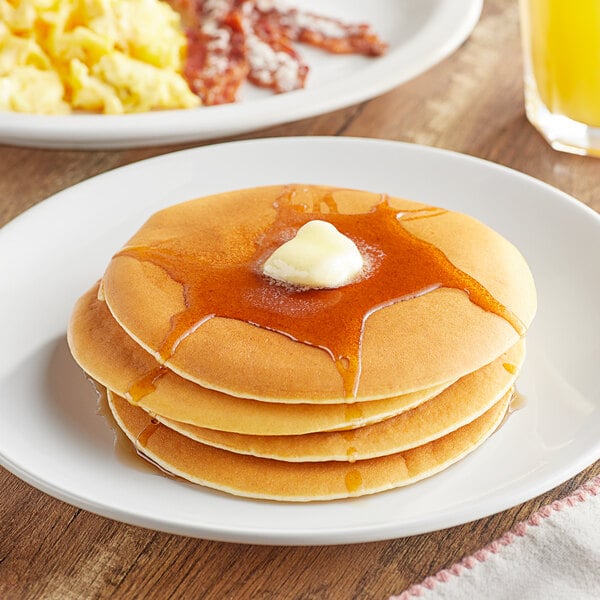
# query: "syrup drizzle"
517, 402
353, 480
351, 453
144, 437
145, 384
512, 369
402, 267
127, 453
352, 413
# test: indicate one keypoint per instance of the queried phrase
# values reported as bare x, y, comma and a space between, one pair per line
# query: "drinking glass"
561, 43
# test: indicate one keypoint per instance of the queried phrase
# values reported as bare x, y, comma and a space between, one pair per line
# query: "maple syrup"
125, 451
517, 402
146, 383
144, 437
401, 267
353, 480
351, 453
352, 413
512, 369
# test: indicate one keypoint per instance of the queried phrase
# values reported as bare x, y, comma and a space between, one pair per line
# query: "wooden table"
472, 103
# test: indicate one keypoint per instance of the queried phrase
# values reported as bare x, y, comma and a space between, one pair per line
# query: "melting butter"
319, 256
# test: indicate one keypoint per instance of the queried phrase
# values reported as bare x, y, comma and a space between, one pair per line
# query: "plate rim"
411, 146
171, 126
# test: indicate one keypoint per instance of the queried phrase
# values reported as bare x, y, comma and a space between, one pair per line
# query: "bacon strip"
272, 59
216, 63
230, 41
326, 33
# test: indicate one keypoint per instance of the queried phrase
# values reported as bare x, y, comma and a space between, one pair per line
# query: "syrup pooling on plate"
401, 267
126, 453
517, 402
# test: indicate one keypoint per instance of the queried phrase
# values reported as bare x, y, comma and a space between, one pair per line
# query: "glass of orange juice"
561, 40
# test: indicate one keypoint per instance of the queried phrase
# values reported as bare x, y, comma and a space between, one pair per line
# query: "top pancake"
407, 345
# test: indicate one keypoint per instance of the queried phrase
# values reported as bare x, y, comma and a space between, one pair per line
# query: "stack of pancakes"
225, 378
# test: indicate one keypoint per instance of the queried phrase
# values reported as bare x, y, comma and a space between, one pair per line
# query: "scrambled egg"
111, 56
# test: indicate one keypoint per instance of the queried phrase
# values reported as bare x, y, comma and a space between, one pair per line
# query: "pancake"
264, 478
109, 356
456, 406
229, 379
484, 305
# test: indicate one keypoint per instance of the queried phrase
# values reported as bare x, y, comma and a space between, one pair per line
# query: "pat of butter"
319, 256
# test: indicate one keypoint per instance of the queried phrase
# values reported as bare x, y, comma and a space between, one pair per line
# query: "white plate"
420, 34
51, 436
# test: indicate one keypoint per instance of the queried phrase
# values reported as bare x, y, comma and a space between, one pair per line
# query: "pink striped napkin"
553, 555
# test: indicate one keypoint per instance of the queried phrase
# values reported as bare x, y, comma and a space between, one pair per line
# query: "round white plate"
51, 436
420, 33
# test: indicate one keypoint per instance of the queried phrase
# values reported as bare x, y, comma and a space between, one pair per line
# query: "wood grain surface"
472, 103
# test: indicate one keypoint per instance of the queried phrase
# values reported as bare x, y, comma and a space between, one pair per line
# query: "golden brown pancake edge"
263, 478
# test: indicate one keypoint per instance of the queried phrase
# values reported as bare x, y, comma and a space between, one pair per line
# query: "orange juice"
562, 38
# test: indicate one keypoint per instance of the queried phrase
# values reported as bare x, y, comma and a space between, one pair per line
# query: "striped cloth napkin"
554, 555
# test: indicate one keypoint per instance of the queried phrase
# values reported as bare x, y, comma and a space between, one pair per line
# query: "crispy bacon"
216, 63
326, 33
230, 41
273, 61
